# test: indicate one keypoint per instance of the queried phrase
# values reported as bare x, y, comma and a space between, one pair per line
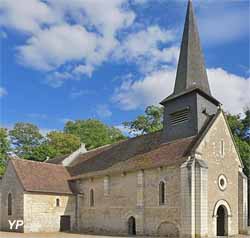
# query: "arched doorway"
222, 221
131, 226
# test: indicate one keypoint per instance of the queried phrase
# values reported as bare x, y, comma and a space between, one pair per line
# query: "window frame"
222, 148
10, 204
91, 198
162, 193
58, 202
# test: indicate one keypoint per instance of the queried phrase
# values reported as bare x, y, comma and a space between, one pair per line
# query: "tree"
150, 122
55, 144
240, 127
93, 133
60, 143
4, 148
24, 138
42, 152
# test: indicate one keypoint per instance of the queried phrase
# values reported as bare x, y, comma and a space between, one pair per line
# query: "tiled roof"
137, 153
57, 160
42, 177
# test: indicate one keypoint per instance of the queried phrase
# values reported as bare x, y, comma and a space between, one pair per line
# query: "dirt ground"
61, 235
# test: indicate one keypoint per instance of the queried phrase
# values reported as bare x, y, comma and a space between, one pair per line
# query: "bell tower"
191, 104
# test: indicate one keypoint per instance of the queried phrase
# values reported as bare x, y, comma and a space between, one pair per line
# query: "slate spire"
191, 71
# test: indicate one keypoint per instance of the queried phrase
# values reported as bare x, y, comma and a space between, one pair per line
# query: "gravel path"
63, 235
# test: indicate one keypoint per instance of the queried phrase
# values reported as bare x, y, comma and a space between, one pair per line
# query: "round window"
222, 181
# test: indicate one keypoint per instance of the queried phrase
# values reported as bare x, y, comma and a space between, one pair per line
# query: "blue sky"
66, 60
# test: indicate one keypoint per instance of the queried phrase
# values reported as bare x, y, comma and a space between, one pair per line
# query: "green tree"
240, 127
42, 152
93, 133
24, 138
61, 143
150, 122
4, 148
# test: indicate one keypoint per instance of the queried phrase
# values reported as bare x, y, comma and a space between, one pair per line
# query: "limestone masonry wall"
221, 161
11, 185
118, 197
41, 213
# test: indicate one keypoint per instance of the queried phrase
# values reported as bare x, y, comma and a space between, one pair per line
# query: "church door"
131, 226
221, 221
65, 223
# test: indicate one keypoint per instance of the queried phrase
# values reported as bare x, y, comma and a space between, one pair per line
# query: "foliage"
24, 137
56, 144
62, 143
150, 122
93, 133
240, 127
4, 148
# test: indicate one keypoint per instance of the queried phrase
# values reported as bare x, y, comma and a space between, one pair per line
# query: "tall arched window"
91, 198
9, 204
162, 198
58, 202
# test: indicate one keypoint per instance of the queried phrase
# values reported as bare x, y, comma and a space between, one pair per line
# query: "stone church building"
184, 181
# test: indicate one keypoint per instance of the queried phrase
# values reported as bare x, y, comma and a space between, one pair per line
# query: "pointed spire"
191, 71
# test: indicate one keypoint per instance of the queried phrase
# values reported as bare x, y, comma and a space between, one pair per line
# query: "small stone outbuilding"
186, 180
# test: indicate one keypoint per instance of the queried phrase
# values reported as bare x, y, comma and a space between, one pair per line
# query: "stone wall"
118, 197
11, 185
221, 161
42, 215
243, 209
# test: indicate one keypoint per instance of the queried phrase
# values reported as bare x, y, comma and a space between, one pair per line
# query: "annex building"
184, 181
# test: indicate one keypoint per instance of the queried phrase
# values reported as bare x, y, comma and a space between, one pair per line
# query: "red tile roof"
42, 177
138, 153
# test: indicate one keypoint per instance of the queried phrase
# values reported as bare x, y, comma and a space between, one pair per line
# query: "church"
186, 180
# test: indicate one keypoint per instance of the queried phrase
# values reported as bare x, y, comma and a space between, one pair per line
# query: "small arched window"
58, 202
162, 198
222, 148
91, 198
9, 204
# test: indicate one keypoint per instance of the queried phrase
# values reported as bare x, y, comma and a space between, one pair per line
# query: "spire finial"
191, 71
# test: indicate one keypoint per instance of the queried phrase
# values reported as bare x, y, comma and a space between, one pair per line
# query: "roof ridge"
33, 161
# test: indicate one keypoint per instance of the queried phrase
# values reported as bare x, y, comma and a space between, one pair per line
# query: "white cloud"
45, 131
123, 129
56, 46
61, 33
26, 15
147, 91
56, 79
65, 120
143, 48
3, 92
231, 90
84, 69
103, 111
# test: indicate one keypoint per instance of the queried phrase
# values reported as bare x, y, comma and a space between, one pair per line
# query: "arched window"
131, 226
91, 198
162, 198
222, 148
9, 204
58, 202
